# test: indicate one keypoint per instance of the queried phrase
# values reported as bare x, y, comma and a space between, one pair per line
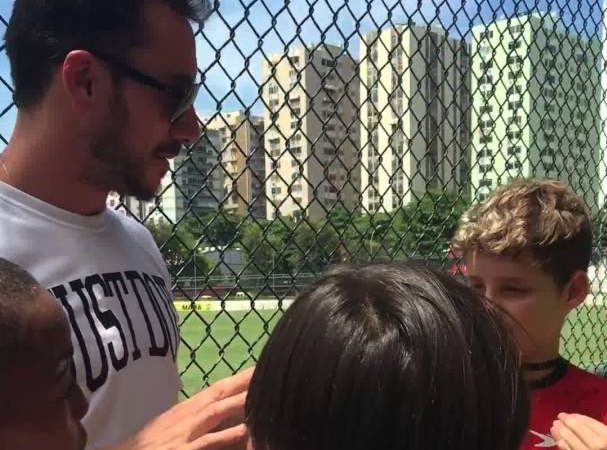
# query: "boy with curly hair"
527, 248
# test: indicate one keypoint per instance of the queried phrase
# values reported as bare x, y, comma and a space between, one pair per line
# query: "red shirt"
576, 392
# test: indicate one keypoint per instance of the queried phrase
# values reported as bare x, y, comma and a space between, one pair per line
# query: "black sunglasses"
184, 96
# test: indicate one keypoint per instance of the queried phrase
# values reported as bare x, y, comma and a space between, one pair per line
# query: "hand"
578, 432
210, 420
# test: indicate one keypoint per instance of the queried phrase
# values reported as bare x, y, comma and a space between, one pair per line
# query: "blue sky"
310, 21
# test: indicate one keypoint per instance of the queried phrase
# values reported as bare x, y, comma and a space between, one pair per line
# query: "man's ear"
576, 291
83, 78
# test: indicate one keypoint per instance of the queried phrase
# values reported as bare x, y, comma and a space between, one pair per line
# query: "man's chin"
140, 192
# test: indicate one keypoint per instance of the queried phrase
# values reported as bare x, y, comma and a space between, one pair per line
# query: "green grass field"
215, 344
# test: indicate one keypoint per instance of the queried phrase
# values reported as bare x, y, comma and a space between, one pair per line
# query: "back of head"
18, 290
542, 217
40, 33
387, 356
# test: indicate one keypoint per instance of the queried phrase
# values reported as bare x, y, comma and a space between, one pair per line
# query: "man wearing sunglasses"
104, 91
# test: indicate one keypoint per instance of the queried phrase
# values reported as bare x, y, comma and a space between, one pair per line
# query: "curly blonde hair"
543, 217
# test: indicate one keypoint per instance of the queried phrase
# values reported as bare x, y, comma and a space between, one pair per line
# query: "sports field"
214, 344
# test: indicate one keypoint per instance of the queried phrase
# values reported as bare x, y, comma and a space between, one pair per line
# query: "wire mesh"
341, 131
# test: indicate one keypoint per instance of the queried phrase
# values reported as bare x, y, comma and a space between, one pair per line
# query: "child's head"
528, 247
41, 403
387, 356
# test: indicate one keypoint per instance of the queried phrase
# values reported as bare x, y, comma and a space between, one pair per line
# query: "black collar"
559, 366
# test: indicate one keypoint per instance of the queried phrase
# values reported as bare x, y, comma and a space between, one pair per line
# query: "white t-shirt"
110, 278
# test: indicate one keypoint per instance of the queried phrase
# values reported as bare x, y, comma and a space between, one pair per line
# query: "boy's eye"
513, 290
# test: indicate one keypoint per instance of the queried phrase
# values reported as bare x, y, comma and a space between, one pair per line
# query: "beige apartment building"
415, 114
242, 157
311, 131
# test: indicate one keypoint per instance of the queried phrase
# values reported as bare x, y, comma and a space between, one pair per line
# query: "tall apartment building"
312, 131
602, 198
415, 114
195, 181
536, 99
130, 205
243, 159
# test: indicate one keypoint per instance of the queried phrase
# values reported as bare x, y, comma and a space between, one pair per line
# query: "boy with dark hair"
42, 404
527, 248
379, 356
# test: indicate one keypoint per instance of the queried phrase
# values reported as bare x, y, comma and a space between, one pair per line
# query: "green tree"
314, 246
216, 229
265, 244
178, 248
426, 225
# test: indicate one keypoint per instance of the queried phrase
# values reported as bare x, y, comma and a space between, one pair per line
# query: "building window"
487, 34
514, 135
513, 165
516, 89
514, 150
514, 105
515, 29
485, 183
547, 123
514, 44
273, 88
485, 79
514, 75
328, 62
514, 60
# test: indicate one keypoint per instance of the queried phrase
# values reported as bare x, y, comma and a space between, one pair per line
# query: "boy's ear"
577, 289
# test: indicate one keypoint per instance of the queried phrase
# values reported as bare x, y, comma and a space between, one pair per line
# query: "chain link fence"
339, 131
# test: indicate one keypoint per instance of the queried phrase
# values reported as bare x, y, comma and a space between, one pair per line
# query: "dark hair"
386, 356
18, 289
41, 32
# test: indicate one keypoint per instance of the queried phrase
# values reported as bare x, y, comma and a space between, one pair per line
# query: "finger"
555, 430
562, 445
218, 391
229, 386
233, 420
230, 439
593, 427
225, 410
571, 440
